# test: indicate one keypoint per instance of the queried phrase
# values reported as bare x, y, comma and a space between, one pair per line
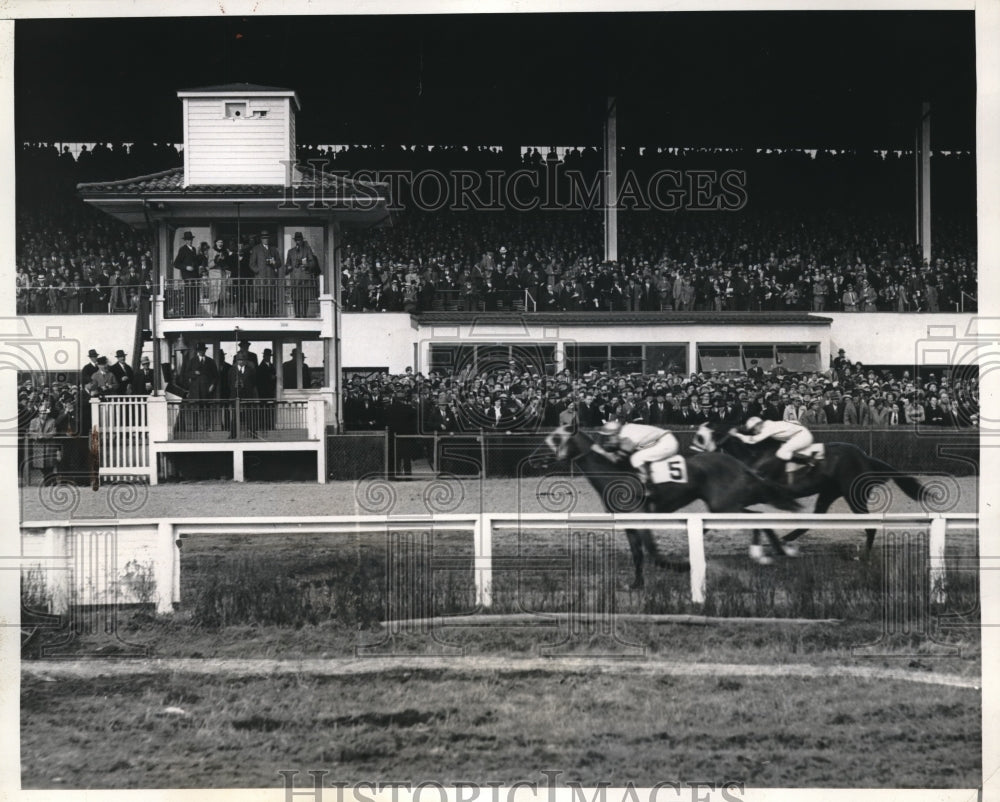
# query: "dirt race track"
331, 667
420, 496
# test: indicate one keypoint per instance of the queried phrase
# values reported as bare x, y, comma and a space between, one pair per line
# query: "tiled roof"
627, 318
237, 87
172, 182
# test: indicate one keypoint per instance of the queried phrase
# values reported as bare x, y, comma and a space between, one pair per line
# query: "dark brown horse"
723, 483
845, 471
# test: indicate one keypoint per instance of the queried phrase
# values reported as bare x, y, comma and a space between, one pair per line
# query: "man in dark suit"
200, 377
660, 411
265, 264
188, 261
289, 379
442, 418
122, 371
88, 370
834, 409
142, 382
401, 418
587, 412
755, 372
686, 416
267, 388
243, 389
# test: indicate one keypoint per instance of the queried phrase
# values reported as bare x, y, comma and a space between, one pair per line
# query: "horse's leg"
635, 545
784, 550
826, 498
859, 506
757, 550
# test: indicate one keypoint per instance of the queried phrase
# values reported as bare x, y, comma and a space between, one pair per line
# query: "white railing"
123, 435
156, 540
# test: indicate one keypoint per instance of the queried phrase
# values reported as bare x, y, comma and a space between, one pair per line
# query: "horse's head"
704, 439
556, 448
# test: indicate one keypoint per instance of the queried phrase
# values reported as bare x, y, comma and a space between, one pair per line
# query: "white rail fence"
86, 562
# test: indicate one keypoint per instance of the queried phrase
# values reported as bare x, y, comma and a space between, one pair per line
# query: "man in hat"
839, 363
267, 388
200, 376
301, 269
88, 370
122, 371
243, 389
755, 372
265, 262
142, 382
401, 418
102, 382
249, 355
289, 374
188, 262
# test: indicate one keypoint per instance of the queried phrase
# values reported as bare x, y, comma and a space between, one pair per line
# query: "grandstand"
769, 250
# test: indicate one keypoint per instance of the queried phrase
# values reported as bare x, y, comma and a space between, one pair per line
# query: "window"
800, 358
236, 110
723, 358
666, 358
764, 354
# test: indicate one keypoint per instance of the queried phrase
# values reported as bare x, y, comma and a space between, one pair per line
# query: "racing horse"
844, 472
723, 483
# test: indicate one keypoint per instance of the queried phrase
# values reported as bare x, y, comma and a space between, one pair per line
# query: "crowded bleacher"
784, 250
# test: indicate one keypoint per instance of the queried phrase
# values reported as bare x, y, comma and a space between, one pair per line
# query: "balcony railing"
241, 297
202, 421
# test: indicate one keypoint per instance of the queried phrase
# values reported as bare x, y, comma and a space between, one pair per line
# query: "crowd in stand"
514, 399
765, 257
511, 399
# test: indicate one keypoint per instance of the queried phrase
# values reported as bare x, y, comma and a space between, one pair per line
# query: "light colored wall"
221, 150
375, 339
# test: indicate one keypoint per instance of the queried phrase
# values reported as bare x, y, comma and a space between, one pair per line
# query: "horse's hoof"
790, 550
765, 560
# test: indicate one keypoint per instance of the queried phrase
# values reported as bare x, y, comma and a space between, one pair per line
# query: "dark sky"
761, 78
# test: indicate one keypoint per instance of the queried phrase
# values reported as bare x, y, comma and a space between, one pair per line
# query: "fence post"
482, 454
482, 531
166, 567
939, 592
696, 557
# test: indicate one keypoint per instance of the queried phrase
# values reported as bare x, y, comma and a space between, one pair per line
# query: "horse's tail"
780, 496
912, 487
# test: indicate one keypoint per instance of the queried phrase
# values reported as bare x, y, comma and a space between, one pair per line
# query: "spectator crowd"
513, 399
789, 249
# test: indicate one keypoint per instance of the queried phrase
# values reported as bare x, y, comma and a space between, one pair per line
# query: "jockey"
794, 438
645, 444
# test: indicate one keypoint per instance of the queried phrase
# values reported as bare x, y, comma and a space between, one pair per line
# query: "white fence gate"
123, 437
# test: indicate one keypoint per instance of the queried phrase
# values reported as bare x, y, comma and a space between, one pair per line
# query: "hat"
188, 235
201, 347
264, 233
120, 352
244, 342
103, 360
503, 249
145, 359
92, 352
841, 351
267, 351
298, 235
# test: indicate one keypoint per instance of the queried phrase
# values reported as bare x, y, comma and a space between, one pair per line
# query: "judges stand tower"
240, 179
